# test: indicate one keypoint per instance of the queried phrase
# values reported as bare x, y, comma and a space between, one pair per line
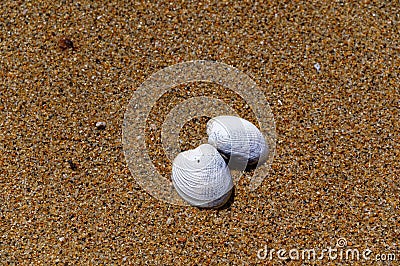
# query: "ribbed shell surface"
201, 177
237, 140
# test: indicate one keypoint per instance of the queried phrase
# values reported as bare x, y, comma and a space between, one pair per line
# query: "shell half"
201, 177
238, 140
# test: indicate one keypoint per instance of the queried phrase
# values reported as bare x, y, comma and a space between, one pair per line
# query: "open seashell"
238, 141
201, 177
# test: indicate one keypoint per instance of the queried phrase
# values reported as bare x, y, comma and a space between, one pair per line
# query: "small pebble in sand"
101, 125
181, 239
72, 165
317, 66
170, 220
65, 43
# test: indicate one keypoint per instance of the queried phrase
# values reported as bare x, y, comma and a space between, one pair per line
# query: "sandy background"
66, 194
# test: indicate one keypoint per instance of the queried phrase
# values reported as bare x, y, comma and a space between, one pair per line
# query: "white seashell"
237, 140
201, 177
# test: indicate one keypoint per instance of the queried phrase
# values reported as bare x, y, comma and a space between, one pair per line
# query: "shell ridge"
201, 176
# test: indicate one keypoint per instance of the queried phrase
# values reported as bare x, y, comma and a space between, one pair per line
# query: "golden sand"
67, 196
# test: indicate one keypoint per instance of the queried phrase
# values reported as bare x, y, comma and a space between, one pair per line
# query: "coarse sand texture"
328, 70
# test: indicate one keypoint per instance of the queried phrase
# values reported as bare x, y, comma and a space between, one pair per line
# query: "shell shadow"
229, 203
250, 167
